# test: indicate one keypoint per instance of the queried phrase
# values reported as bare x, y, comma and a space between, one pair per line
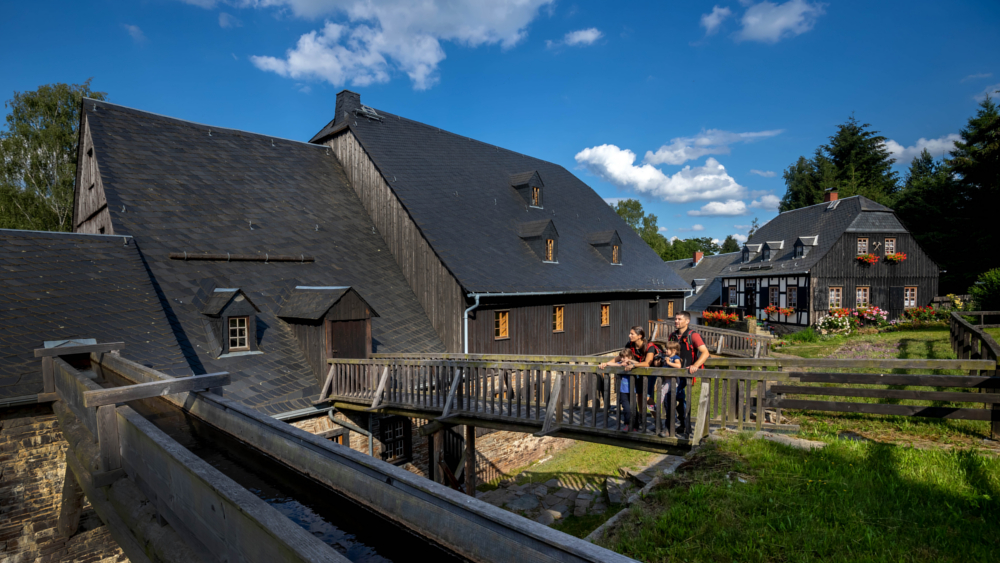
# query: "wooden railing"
576, 399
718, 340
972, 342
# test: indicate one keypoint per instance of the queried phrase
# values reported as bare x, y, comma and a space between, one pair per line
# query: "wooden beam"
381, 387
555, 397
898, 410
451, 392
905, 394
78, 349
138, 391
48, 381
470, 460
701, 423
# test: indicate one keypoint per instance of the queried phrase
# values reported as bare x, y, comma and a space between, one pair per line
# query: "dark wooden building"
541, 263
810, 260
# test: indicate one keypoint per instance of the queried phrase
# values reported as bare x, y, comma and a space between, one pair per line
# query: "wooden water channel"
719, 340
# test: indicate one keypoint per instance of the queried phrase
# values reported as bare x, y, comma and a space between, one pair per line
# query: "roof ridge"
193, 123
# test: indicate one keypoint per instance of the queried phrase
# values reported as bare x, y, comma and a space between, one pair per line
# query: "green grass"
853, 501
994, 332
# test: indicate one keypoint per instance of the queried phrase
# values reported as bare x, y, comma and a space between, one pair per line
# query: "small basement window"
862, 246
605, 314
616, 254
558, 318
501, 325
238, 334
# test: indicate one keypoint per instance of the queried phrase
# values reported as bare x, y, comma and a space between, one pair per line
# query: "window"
501, 325
733, 298
836, 297
746, 255
792, 297
616, 256
774, 295
909, 297
536, 196
798, 251
767, 255
238, 334
862, 246
396, 439
605, 314
670, 309
890, 246
862, 297
550, 250
557, 318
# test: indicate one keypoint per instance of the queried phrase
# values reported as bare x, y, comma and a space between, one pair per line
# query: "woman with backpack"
642, 356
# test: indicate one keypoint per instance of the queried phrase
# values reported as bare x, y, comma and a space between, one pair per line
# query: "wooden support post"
701, 423
381, 388
107, 437
437, 456
470, 460
71, 504
48, 378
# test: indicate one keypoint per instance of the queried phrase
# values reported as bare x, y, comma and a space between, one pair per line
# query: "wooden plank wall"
90, 208
436, 289
531, 325
312, 341
839, 268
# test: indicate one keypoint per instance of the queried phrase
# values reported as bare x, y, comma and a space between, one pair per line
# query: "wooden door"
347, 339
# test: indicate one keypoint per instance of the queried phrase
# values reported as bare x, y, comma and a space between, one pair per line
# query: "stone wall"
32, 476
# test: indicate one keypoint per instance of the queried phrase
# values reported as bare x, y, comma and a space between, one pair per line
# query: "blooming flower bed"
720, 317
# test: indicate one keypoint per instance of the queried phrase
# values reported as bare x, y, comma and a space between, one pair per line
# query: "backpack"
659, 356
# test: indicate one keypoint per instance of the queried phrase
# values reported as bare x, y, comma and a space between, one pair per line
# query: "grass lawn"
931, 343
753, 500
994, 332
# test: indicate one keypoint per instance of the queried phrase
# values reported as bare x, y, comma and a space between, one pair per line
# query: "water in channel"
356, 532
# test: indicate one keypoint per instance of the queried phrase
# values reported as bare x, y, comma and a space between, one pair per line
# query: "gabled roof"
221, 297
312, 303
178, 189
458, 192
533, 229
65, 286
524, 178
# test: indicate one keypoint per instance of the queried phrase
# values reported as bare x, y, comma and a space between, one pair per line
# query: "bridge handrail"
719, 340
971, 342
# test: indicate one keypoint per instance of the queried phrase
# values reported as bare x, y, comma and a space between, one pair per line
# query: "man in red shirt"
693, 355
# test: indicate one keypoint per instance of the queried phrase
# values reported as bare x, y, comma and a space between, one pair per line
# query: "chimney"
698, 255
347, 102
830, 195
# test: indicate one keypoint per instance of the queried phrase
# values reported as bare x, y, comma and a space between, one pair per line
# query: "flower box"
895, 258
869, 259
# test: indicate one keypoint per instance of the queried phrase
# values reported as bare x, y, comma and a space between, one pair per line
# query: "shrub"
830, 324
986, 291
925, 314
807, 335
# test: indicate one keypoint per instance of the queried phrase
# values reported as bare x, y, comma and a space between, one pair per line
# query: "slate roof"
311, 304
176, 188
60, 286
709, 269
458, 192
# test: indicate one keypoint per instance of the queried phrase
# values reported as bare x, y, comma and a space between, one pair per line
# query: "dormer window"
798, 251
238, 335
608, 244
616, 255
767, 254
746, 254
529, 186
750, 251
231, 322
542, 238
803, 245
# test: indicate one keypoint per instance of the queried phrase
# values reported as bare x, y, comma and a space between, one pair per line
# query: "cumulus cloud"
137, 35
614, 200
717, 208
228, 20
663, 229
767, 203
992, 91
617, 166
579, 38
905, 155
672, 239
712, 141
712, 21
769, 23
364, 41
743, 227
977, 76
740, 238
695, 227
764, 173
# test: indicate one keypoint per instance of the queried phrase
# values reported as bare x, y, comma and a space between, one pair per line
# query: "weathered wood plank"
898, 410
970, 381
78, 349
138, 391
905, 394
107, 437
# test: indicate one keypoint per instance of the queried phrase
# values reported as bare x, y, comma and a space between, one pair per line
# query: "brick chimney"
830, 195
698, 255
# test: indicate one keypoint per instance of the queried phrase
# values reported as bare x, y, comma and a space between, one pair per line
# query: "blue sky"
695, 108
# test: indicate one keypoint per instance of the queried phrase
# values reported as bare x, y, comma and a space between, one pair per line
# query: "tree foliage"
730, 245
986, 291
38, 156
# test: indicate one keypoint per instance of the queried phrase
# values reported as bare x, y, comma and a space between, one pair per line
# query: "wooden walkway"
719, 340
570, 396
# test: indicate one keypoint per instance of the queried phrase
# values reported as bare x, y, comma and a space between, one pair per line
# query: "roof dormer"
231, 323
608, 244
529, 186
803, 245
542, 238
771, 249
750, 251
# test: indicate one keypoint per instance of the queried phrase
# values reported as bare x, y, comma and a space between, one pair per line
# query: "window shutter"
762, 298
896, 299
803, 299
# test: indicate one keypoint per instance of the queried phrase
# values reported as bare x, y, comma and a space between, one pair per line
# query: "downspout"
466, 321
689, 293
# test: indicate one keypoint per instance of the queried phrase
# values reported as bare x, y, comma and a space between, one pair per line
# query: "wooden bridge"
719, 340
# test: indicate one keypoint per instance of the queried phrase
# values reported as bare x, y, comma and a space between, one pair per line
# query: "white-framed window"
909, 297
238, 334
774, 295
396, 439
890, 246
862, 245
836, 297
861, 299
792, 297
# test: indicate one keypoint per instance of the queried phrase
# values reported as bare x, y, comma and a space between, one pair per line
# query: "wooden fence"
718, 340
972, 342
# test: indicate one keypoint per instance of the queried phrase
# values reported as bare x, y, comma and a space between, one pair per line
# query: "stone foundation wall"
32, 474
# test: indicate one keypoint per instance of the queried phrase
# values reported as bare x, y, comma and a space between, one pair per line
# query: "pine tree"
862, 161
730, 245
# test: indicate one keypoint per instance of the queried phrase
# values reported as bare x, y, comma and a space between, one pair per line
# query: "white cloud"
578, 38
617, 166
228, 20
712, 141
767, 203
711, 22
905, 155
716, 241
743, 227
614, 200
663, 229
672, 239
977, 76
740, 238
993, 91
695, 227
718, 208
137, 35
769, 23
764, 173
370, 39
